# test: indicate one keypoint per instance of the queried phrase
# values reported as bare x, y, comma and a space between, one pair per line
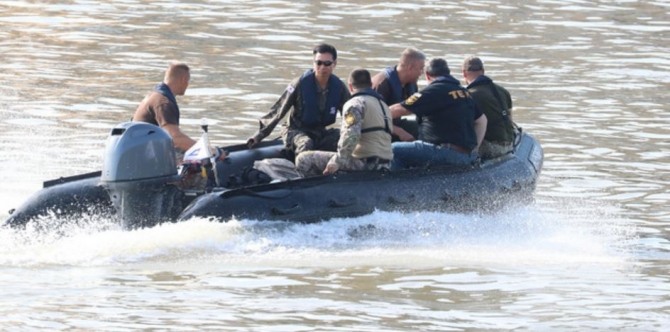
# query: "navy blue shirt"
446, 112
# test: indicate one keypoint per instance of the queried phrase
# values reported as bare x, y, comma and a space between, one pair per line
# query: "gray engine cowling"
139, 173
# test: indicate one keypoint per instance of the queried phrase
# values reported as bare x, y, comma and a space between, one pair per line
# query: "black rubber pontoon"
487, 187
139, 188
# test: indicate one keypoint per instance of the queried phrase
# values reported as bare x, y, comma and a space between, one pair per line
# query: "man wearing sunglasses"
312, 102
396, 84
365, 143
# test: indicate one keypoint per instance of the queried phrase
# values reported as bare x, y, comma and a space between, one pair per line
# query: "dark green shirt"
499, 128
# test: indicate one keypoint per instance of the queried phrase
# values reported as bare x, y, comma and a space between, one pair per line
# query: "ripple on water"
213, 92
587, 78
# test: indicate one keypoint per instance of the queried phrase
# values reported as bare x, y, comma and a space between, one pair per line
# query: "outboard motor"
139, 173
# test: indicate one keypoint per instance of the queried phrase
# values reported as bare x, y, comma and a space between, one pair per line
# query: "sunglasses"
323, 63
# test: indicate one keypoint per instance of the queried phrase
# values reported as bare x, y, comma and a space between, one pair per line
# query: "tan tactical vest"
374, 143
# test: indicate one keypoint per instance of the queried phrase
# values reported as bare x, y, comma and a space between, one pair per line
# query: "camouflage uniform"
311, 163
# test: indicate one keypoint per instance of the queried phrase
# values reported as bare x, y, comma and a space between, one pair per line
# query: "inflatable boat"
141, 185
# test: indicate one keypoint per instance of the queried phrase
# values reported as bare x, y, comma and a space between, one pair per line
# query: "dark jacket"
446, 112
496, 102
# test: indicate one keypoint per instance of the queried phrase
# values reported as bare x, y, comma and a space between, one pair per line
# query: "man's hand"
222, 154
218, 153
251, 142
403, 134
397, 111
330, 169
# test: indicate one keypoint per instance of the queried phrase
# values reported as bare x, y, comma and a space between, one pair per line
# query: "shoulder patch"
350, 118
413, 98
290, 88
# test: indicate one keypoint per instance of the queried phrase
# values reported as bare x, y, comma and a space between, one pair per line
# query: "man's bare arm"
180, 140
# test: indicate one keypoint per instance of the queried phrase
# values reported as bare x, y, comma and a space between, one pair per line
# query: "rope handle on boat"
517, 134
333, 203
284, 211
393, 200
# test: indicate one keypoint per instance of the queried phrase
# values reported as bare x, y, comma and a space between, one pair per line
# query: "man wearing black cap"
496, 102
452, 127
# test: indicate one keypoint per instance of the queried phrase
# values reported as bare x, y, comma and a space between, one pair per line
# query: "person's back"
160, 106
152, 110
376, 127
496, 102
450, 118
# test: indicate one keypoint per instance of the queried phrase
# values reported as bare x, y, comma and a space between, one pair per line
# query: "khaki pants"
312, 163
299, 141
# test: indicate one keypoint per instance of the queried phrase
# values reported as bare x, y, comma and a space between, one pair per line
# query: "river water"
589, 79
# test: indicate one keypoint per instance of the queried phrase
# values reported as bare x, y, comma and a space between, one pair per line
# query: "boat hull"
65, 198
488, 187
